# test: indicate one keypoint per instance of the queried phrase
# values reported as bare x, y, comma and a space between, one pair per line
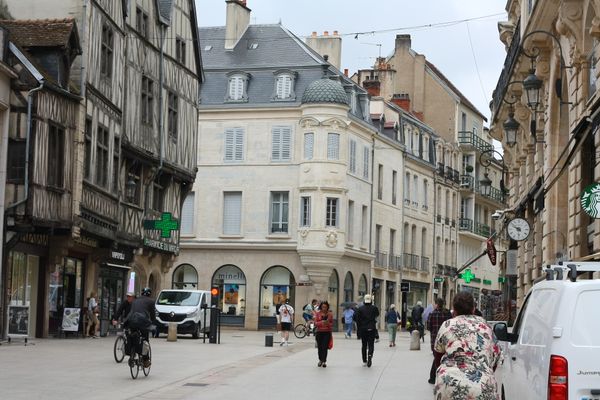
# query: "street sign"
166, 224
589, 200
404, 287
438, 279
501, 279
491, 250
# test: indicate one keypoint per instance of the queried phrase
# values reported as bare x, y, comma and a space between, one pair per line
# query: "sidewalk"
241, 366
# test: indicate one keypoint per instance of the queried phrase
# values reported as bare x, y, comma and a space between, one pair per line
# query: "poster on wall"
279, 294
231, 293
18, 320
70, 320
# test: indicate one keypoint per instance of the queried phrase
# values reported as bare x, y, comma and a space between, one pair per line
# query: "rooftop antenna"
374, 44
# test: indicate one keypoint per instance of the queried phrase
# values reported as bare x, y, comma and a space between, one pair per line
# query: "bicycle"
303, 330
120, 346
139, 349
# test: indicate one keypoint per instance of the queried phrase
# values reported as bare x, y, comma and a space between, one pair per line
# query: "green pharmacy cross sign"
467, 275
166, 224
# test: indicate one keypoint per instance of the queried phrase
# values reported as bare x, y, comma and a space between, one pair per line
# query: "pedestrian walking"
324, 323
366, 320
92, 311
348, 322
417, 318
392, 320
286, 313
437, 317
469, 355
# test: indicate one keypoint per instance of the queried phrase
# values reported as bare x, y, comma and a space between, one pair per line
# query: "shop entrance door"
65, 291
111, 291
22, 292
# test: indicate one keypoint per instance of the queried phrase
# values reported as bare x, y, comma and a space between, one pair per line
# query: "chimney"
402, 100
237, 20
402, 41
326, 44
372, 85
346, 72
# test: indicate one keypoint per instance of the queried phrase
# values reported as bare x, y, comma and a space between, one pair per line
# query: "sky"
470, 54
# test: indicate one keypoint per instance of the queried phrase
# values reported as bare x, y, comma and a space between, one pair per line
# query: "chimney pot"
326, 33
314, 34
346, 72
335, 33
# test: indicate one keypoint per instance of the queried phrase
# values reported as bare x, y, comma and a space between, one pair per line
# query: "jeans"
368, 341
391, 328
323, 344
348, 328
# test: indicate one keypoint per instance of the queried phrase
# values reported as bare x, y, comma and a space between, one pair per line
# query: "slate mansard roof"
262, 52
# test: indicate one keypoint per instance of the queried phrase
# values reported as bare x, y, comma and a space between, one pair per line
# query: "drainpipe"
27, 143
434, 253
160, 99
83, 44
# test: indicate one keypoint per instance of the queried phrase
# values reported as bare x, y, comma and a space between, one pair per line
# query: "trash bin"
268, 340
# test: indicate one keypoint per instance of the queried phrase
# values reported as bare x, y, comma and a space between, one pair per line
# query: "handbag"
330, 344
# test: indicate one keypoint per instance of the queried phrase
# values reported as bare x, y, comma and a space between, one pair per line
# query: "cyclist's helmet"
146, 291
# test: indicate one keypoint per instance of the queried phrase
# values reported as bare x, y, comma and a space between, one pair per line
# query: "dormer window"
284, 85
237, 89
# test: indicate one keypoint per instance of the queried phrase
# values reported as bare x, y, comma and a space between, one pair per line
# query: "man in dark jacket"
124, 308
366, 321
142, 315
434, 322
417, 319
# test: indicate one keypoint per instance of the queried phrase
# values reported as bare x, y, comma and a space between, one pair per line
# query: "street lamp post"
486, 182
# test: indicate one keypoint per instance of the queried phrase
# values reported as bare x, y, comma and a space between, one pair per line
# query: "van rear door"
583, 343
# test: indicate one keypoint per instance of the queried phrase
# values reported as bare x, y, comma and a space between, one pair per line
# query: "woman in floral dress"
468, 353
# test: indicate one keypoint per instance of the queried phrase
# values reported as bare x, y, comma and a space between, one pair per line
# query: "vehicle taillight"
558, 383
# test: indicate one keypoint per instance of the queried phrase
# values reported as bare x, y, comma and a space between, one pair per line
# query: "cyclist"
124, 308
141, 317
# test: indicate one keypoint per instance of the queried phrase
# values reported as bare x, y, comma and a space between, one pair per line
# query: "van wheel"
196, 333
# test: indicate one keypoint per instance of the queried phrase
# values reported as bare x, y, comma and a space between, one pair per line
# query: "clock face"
518, 229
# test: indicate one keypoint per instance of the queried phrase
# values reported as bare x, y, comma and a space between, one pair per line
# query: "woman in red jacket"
324, 324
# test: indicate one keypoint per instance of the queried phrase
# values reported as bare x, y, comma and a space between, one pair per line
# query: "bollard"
415, 340
268, 340
172, 332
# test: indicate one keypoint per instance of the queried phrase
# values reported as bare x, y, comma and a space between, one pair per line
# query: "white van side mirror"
501, 333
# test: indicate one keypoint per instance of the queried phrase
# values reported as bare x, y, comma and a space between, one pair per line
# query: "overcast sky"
448, 47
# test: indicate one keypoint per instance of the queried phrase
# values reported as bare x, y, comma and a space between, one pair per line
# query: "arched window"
276, 285
185, 276
349, 287
332, 295
232, 284
362, 285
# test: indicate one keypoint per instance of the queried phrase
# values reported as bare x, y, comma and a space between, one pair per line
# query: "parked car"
185, 307
554, 347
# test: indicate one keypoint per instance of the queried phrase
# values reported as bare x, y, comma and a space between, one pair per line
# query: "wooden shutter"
352, 156
286, 143
279, 88
187, 215
276, 144
232, 213
333, 146
366, 162
287, 86
239, 144
229, 144
309, 140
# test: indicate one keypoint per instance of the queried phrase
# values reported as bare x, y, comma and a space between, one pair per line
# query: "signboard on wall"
404, 287
511, 262
70, 321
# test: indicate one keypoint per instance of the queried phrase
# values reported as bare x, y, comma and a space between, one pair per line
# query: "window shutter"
187, 215
279, 87
232, 213
366, 162
239, 144
286, 143
352, 156
309, 139
333, 146
287, 86
229, 144
276, 144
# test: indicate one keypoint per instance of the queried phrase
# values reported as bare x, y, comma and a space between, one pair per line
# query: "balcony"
482, 229
440, 169
456, 176
381, 259
449, 172
468, 225
467, 182
465, 224
411, 261
505, 75
470, 141
395, 262
438, 218
495, 193
424, 264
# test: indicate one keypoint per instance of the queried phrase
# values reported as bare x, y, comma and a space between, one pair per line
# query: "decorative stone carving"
303, 233
331, 239
506, 31
309, 122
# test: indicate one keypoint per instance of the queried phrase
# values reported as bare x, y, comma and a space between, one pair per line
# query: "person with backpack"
392, 319
417, 319
141, 317
366, 320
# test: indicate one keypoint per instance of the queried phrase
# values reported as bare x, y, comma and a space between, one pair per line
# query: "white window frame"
305, 211
284, 86
333, 146
332, 212
237, 87
188, 215
281, 143
282, 219
230, 226
394, 187
233, 145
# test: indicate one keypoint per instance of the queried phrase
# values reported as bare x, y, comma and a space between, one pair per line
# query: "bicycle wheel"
119, 349
134, 364
146, 370
300, 331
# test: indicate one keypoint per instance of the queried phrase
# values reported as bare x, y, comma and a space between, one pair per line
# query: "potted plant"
469, 168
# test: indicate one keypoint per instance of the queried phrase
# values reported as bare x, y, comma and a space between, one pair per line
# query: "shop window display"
277, 286
232, 283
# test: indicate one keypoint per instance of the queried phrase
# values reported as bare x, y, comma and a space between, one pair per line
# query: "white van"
187, 308
553, 352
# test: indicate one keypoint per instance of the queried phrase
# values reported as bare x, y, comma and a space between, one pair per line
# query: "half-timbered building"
139, 76
40, 184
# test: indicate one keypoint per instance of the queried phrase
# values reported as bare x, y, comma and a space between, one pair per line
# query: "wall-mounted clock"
518, 229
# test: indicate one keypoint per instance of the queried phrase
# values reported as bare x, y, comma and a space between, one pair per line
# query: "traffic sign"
491, 250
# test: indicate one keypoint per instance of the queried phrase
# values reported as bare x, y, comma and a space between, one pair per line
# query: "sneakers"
320, 364
324, 365
432, 381
281, 343
370, 361
364, 363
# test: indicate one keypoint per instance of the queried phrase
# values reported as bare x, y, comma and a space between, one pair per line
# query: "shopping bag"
330, 345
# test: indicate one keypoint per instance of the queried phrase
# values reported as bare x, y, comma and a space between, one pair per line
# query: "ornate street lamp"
532, 85
486, 185
511, 127
485, 159
130, 188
